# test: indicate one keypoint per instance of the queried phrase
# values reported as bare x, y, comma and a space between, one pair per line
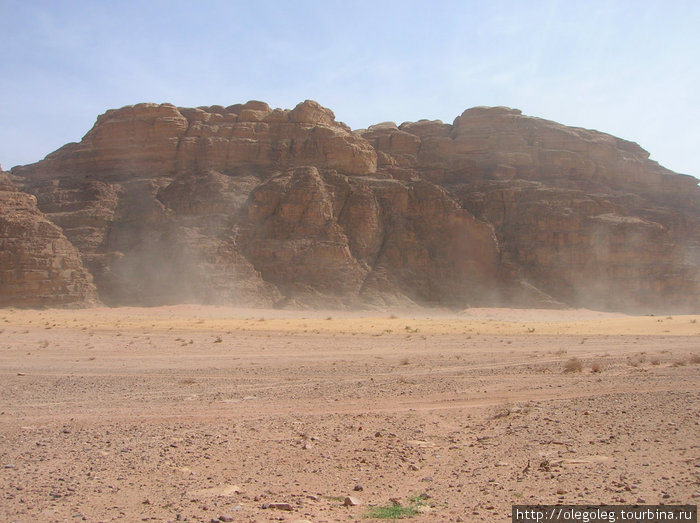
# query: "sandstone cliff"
38, 265
583, 216
249, 205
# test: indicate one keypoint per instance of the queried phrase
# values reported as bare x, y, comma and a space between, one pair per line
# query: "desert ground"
193, 413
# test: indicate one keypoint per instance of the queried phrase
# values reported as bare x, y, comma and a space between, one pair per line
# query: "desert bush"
394, 511
573, 365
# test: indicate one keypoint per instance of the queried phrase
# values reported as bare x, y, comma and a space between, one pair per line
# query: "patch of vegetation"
395, 511
398, 511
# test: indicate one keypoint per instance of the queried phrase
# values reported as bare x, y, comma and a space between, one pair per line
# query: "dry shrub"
695, 359
596, 368
655, 361
636, 361
503, 411
573, 365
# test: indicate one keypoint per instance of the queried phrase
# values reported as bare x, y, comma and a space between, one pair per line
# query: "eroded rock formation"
38, 265
249, 205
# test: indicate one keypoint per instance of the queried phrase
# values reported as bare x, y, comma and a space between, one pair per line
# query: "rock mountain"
249, 205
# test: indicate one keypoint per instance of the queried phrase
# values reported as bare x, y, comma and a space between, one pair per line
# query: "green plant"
395, 511
398, 511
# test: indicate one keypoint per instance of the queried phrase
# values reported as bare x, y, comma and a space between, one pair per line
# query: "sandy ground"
197, 413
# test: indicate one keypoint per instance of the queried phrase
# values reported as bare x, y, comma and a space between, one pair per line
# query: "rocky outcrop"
38, 265
587, 250
254, 206
371, 240
161, 140
582, 216
498, 143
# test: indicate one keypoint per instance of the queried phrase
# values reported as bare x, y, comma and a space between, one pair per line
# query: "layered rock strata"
249, 205
38, 265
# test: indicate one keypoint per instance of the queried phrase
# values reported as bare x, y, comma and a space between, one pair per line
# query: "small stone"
412, 467
561, 491
358, 488
351, 501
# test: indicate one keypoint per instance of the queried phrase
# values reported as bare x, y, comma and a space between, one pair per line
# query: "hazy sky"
629, 68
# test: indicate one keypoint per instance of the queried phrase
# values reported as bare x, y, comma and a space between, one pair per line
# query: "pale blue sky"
630, 68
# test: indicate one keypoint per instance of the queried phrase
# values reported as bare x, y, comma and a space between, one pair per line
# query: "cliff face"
38, 265
248, 205
583, 216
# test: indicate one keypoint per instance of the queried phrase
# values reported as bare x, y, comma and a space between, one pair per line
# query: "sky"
628, 68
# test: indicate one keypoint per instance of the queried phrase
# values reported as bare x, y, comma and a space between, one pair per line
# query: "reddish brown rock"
249, 205
366, 240
581, 216
38, 265
162, 140
586, 250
